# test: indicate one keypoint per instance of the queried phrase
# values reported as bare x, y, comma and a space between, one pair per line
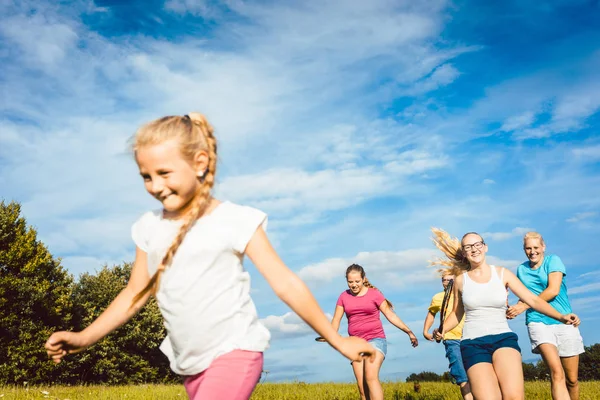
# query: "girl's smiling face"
534, 250
168, 176
355, 282
474, 249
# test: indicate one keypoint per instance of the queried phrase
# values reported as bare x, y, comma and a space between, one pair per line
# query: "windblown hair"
533, 235
455, 262
194, 134
358, 268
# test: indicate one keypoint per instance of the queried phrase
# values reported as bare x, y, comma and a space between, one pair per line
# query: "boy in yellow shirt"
451, 340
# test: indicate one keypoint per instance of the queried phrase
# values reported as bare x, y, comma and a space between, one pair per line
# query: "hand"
437, 335
356, 349
428, 336
514, 311
413, 339
59, 344
571, 319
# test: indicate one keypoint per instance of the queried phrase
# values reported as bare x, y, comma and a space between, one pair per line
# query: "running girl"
559, 345
489, 349
189, 255
362, 304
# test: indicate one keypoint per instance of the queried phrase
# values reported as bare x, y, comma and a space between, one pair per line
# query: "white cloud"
195, 7
588, 153
442, 76
582, 216
288, 325
499, 236
585, 288
488, 181
571, 109
585, 303
408, 266
518, 121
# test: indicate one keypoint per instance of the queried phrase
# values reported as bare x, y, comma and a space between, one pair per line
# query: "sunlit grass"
273, 391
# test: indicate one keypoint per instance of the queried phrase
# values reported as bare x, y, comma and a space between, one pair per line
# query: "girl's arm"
292, 291
429, 320
554, 281
395, 320
337, 318
458, 310
535, 302
116, 314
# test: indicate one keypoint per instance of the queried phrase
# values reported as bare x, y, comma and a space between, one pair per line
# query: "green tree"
589, 363
128, 355
425, 376
34, 300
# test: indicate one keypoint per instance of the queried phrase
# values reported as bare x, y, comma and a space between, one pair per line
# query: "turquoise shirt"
536, 280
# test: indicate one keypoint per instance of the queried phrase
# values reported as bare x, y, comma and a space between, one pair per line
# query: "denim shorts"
457, 370
379, 344
481, 349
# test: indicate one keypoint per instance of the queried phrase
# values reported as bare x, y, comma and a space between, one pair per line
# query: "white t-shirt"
204, 295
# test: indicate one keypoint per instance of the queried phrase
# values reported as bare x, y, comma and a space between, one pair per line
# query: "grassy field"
273, 391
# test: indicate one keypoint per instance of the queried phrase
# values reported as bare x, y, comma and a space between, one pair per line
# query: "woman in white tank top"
489, 348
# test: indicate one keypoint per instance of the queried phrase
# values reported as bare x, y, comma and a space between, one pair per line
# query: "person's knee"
557, 375
572, 381
372, 379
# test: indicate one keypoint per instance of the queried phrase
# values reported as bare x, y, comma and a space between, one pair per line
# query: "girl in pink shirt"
362, 304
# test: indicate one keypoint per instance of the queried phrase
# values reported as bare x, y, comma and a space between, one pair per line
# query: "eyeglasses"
476, 246
447, 280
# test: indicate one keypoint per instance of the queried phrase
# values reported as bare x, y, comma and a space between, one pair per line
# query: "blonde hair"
194, 134
358, 268
455, 263
533, 235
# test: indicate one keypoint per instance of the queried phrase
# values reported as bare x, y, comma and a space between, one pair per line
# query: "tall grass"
275, 391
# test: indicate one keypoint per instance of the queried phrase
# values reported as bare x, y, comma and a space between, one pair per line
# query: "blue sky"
355, 125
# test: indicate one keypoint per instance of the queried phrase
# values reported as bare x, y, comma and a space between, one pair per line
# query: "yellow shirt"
434, 308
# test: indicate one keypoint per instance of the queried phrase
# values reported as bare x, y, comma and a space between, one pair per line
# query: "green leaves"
38, 297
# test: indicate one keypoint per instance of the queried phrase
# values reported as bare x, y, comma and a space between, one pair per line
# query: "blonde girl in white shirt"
189, 255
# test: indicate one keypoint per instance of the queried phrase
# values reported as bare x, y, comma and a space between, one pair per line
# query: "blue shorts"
457, 370
380, 344
481, 349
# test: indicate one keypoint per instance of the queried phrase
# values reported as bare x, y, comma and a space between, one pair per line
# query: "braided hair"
194, 134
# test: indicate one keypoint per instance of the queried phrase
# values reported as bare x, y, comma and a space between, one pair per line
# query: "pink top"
363, 314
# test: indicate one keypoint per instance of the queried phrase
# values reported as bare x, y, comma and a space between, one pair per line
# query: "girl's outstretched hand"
413, 339
59, 344
571, 319
356, 349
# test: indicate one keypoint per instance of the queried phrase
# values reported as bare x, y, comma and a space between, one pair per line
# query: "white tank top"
485, 306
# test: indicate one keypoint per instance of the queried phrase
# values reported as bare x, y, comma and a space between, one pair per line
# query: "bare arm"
116, 314
536, 302
292, 291
337, 318
429, 320
551, 291
395, 320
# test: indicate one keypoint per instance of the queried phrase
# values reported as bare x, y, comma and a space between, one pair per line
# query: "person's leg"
372, 368
230, 376
465, 391
570, 346
558, 382
571, 368
358, 368
483, 381
509, 370
457, 369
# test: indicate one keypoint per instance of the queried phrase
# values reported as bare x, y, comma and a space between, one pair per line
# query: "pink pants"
231, 376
